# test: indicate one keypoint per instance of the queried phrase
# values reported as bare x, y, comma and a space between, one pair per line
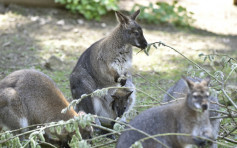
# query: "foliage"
56, 128
90, 9
163, 12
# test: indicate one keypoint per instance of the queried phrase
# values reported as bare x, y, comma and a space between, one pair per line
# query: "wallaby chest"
122, 60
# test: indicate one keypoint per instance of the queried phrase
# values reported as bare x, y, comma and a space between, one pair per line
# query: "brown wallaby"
189, 116
180, 90
108, 61
30, 97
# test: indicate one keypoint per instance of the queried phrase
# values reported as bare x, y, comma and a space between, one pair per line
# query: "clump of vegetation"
90, 9
163, 12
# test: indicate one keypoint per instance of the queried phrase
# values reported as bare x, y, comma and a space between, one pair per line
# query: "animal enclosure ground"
51, 40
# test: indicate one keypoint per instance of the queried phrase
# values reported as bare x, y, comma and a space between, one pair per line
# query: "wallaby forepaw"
122, 80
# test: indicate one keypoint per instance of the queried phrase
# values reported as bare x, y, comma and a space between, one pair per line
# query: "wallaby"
108, 61
111, 106
115, 103
30, 97
180, 90
189, 116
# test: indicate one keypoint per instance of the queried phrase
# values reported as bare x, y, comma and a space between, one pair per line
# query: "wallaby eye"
135, 32
195, 97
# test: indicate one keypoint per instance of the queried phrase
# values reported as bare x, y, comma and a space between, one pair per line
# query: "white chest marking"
23, 122
122, 63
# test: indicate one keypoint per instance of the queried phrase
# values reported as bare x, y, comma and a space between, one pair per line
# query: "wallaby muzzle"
143, 43
201, 142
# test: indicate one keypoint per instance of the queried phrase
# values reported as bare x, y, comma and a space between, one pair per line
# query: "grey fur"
179, 90
178, 117
115, 104
107, 62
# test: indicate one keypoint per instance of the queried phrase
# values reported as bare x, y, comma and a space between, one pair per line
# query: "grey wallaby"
108, 61
180, 89
30, 97
115, 104
189, 116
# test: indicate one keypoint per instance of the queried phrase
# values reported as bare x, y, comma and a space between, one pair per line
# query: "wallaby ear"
114, 97
121, 18
135, 14
189, 82
206, 81
129, 94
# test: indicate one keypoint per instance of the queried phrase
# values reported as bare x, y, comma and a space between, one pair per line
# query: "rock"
54, 63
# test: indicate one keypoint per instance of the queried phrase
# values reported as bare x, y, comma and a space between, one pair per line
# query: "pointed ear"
189, 82
206, 81
129, 94
121, 18
135, 14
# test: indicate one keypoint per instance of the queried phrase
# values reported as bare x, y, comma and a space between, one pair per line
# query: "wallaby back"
182, 116
180, 89
30, 97
108, 61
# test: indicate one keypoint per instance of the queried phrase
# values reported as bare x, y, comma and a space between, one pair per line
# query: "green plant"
90, 9
163, 12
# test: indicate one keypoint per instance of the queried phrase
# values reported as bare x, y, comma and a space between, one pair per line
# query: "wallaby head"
132, 32
120, 102
198, 94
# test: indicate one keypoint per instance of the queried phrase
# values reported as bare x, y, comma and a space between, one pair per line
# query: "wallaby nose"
145, 44
200, 142
204, 107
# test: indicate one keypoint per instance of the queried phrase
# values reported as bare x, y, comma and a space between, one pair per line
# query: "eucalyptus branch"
213, 110
228, 139
197, 65
221, 117
31, 126
97, 93
232, 102
44, 126
104, 144
48, 144
154, 99
157, 87
181, 134
102, 127
221, 105
225, 56
230, 74
228, 133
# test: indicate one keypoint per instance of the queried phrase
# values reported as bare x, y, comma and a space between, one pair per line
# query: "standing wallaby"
180, 90
189, 116
107, 62
30, 97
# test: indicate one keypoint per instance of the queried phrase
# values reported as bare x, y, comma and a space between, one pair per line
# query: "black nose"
145, 44
200, 142
204, 107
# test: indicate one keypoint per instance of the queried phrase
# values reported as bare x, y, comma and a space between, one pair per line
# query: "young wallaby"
30, 97
180, 90
189, 116
108, 61
111, 106
115, 103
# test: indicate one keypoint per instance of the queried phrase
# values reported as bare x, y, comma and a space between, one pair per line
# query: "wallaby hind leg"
11, 113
